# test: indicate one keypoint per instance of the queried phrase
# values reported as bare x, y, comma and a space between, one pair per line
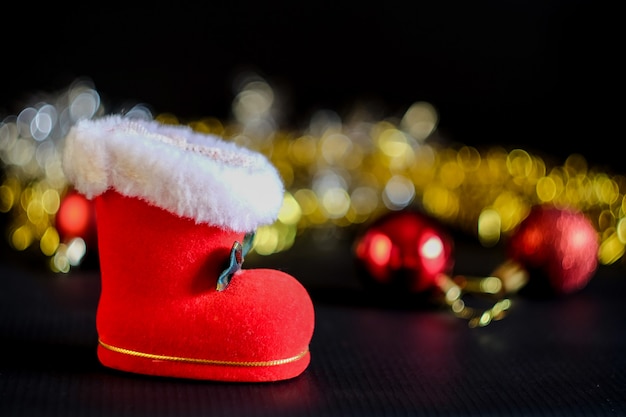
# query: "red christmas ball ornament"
76, 218
404, 251
557, 247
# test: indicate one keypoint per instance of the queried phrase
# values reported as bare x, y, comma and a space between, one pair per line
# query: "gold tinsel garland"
338, 173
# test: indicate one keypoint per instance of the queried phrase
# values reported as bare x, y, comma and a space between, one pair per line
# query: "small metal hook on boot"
237, 255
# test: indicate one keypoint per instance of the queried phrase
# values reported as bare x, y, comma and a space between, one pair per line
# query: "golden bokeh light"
337, 173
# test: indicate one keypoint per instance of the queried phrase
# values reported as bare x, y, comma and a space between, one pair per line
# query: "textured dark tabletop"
546, 358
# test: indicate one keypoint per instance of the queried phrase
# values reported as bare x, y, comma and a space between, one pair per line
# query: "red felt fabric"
159, 297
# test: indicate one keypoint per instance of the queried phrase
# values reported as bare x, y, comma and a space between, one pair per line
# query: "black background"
543, 75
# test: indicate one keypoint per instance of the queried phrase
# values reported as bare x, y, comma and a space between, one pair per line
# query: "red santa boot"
176, 212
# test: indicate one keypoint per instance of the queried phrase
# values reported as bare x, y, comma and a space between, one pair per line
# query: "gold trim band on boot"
202, 361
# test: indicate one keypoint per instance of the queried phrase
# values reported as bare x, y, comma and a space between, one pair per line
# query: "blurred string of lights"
338, 173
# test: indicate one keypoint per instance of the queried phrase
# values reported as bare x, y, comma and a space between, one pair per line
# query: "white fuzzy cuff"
190, 174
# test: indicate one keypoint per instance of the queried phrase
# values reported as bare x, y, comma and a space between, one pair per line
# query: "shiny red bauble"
76, 217
559, 249
405, 251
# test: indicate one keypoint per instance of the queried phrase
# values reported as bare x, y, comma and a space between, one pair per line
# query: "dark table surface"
563, 356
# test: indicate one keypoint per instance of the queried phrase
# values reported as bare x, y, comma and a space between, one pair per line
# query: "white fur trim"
190, 174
